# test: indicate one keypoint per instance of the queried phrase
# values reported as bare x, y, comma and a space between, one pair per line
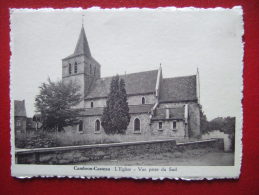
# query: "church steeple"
82, 46
81, 67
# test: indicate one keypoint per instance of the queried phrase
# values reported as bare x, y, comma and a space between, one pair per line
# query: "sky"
133, 40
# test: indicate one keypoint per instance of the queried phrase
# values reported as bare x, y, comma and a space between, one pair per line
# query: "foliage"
56, 104
226, 125
35, 140
204, 122
223, 124
116, 118
43, 139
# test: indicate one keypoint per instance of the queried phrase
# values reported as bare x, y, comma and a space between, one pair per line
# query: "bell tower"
81, 67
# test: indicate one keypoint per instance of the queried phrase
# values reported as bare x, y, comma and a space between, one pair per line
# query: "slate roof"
82, 46
133, 109
178, 89
174, 113
135, 83
19, 108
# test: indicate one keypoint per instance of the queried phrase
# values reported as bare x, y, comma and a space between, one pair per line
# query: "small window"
18, 123
160, 125
174, 124
90, 68
80, 126
92, 104
75, 70
69, 68
143, 100
136, 124
97, 125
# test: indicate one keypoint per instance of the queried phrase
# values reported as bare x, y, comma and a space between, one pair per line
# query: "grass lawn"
195, 157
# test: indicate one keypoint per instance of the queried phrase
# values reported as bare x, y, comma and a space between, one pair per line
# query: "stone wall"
132, 100
89, 125
171, 105
167, 128
137, 99
100, 102
76, 154
194, 120
144, 124
86, 153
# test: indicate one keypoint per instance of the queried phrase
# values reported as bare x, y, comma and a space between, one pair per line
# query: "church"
157, 105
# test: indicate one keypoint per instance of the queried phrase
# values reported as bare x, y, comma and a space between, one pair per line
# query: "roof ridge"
179, 77
127, 74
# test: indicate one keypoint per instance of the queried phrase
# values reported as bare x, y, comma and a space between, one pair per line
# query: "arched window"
90, 68
80, 126
75, 70
136, 124
97, 125
69, 68
92, 104
174, 124
143, 100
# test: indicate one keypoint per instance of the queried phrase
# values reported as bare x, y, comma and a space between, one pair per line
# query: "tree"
116, 118
204, 122
56, 104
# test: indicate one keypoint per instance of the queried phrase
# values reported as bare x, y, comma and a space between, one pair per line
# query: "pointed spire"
83, 20
82, 46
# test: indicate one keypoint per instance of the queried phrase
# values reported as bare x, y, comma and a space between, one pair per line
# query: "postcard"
126, 92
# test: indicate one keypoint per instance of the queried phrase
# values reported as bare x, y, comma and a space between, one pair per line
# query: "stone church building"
157, 105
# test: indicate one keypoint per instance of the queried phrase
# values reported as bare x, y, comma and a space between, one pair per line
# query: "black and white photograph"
128, 92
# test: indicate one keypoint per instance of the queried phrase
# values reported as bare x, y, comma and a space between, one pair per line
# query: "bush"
48, 139
34, 140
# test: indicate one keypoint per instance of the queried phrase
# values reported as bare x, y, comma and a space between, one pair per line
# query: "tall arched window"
80, 126
143, 100
136, 124
90, 68
69, 68
75, 70
97, 125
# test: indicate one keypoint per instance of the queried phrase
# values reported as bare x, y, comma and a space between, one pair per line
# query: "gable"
178, 89
135, 83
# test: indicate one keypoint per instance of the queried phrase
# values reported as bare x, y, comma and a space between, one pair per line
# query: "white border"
181, 172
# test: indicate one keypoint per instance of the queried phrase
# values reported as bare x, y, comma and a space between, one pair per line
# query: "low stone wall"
86, 153
215, 144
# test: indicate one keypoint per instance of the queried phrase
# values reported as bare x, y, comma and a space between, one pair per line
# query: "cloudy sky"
131, 41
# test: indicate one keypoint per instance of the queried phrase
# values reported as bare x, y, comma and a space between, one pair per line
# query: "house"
157, 105
19, 116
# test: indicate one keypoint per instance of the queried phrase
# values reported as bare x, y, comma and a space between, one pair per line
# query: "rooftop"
135, 83
19, 108
178, 89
